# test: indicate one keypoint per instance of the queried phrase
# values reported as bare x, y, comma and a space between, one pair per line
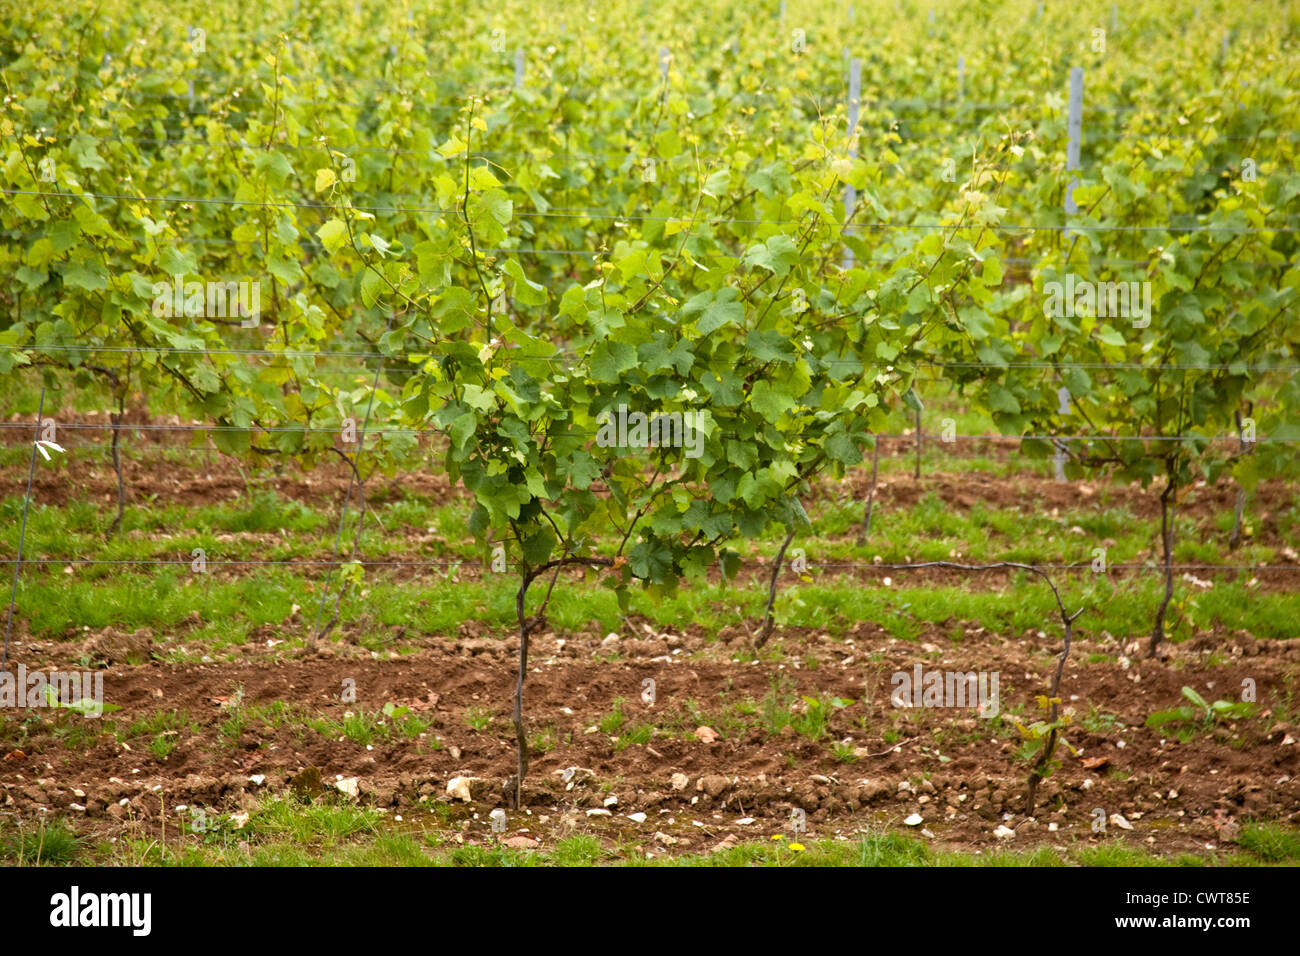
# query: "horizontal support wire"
599, 253
864, 565
572, 432
410, 91
854, 363
930, 451
1095, 136
614, 217
932, 446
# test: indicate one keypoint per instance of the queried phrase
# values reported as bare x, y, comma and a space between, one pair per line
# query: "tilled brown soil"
91, 478
945, 766
87, 473
712, 772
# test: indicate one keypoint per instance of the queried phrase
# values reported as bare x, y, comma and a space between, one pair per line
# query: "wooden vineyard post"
851, 194
1063, 408
1076, 134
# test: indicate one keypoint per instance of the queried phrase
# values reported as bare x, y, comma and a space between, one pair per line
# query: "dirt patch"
722, 749
952, 768
87, 473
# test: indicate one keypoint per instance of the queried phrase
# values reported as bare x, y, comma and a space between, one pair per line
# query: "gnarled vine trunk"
865, 530
515, 785
116, 419
1234, 539
1168, 499
521, 738
768, 618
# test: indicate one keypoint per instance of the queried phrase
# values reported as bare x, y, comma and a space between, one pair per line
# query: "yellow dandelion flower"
797, 847
777, 836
